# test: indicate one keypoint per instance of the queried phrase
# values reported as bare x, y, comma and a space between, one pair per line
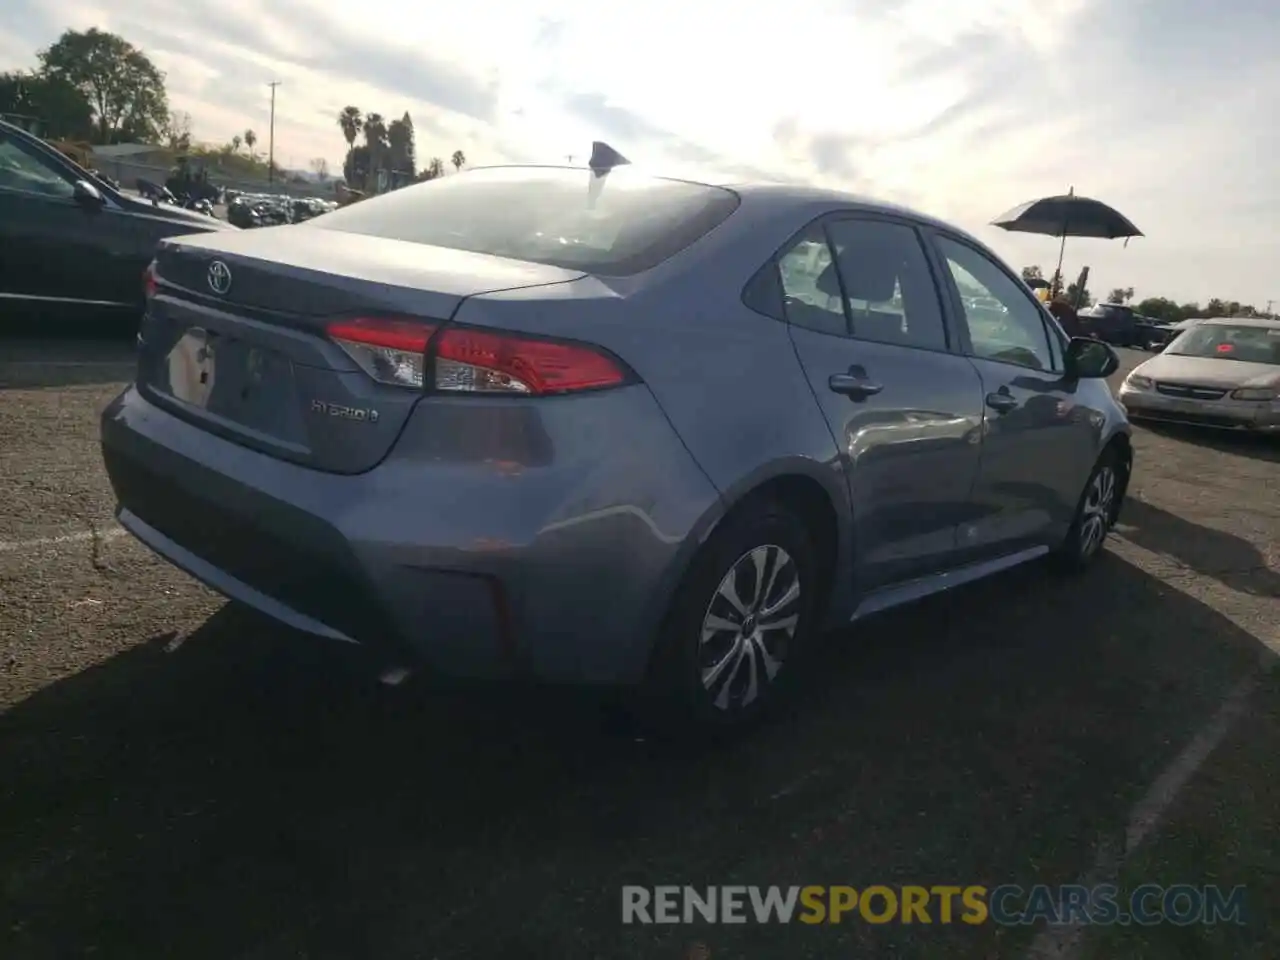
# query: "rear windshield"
1253, 344
618, 224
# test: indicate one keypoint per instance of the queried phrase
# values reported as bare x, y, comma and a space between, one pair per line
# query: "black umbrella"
1068, 216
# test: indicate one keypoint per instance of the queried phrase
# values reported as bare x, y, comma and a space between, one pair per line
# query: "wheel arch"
1120, 445
819, 496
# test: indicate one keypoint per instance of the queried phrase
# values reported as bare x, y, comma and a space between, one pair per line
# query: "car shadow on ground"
1231, 560
54, 362
252, 795
1255, 446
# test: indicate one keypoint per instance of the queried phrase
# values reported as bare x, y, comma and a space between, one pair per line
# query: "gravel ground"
180, 779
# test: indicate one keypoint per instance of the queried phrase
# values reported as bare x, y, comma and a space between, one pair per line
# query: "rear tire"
1096, 514
740, 622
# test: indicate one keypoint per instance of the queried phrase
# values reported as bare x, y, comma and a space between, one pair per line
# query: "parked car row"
249, 210
1119, 324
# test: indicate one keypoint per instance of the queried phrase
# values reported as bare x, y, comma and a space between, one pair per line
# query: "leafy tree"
177, 132
1120, 295
235, 143
124, 89
1161, 308
436, 167
1078, 297
320, 167
400, 145
356, 168
63, 111
250, 138
375, 132
459, 160
1032, 273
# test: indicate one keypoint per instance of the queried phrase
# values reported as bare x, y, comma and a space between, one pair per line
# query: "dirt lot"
180, 779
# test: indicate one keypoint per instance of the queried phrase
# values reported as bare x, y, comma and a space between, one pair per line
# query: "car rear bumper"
555, 573
1225, 414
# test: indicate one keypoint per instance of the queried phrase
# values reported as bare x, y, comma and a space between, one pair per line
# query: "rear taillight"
391, 351
467, 360
150, 280
480, 361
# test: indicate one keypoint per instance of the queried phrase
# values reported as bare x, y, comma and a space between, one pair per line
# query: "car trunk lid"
235, 338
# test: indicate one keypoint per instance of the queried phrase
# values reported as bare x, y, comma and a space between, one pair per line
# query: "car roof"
766, 196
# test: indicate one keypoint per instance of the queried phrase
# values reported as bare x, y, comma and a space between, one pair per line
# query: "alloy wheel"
748, 626
1099, 503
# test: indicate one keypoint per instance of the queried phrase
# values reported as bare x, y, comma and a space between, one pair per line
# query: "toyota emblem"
219, 278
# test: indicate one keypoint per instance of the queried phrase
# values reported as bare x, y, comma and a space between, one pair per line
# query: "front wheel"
1096, 514
744, 613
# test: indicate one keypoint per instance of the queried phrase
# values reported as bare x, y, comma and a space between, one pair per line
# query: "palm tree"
350, 119
250, 138
235, 143
458, 159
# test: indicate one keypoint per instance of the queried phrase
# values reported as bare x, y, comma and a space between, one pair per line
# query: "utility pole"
271, 137
570, 159
1269, 302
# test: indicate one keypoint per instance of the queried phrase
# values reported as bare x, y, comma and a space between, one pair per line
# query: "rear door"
1036, 439
905, 411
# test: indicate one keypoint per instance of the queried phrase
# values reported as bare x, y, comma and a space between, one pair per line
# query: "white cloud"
1161, 107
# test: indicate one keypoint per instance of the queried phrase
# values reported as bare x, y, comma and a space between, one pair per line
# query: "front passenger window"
23, 171
1004, 323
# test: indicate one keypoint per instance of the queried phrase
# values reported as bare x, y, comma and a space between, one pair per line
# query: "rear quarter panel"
726, 378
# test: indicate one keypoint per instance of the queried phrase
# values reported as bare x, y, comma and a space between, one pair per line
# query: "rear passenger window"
763, 292
891, 294
810, 288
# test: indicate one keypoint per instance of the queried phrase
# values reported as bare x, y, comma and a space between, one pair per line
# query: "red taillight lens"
150, 280
479, 361
390, 350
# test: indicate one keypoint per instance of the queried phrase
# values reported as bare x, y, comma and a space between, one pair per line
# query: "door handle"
1001, 401
858, 388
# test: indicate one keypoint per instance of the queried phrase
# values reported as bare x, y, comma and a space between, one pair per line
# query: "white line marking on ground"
1063, 942
110, 532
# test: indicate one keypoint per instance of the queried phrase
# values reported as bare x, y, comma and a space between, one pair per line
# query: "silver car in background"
607, 428
1221, 372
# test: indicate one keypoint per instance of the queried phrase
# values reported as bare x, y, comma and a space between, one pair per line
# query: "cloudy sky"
1165, 108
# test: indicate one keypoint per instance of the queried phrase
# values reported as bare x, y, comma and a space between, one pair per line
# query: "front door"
905, 411
1036, 438
56, 252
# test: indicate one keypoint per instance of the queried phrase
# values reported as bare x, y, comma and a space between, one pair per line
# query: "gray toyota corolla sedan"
1221, 373
606, 428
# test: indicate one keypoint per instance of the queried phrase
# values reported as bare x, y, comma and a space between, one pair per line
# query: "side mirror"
87, 194
1089, 359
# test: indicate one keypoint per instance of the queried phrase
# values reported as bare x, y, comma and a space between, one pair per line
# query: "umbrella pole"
1062, 248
